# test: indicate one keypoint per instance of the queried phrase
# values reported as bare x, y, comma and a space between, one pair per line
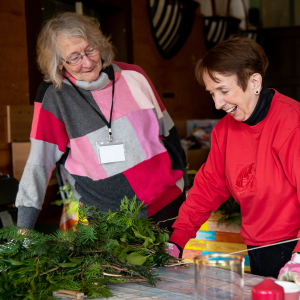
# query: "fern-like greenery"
118, 247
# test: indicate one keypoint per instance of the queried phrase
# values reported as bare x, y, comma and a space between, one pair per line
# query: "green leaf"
146, 243
76, 260
161, 238
191, 172
21, 237
15, 262
32, 284
123, 238
138, 234
160, 257
6, 286
122, 257
236, 214
31, 296
136, 258
166, 236
9, 293
67, 265
50, 279
152, 236
113, 244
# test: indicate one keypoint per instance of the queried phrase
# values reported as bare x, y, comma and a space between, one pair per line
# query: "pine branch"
118, 247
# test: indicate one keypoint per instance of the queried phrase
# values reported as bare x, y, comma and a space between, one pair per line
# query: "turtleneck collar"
262, 107
100, 83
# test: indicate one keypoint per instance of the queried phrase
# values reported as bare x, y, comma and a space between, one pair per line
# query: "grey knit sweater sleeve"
27, 216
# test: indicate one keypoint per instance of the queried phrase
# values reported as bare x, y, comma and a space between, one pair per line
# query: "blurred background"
164, 37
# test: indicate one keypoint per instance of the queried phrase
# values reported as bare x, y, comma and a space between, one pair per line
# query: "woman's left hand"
291, 270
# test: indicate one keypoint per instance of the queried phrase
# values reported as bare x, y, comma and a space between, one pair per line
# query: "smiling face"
230, 97
89, 69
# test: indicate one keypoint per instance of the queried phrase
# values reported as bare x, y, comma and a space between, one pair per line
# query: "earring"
256, 92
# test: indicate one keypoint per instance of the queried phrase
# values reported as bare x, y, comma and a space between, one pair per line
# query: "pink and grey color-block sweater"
66, 128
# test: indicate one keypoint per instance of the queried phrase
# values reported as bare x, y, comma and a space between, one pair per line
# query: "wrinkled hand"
291, 270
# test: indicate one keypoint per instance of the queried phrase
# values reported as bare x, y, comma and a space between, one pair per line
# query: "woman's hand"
291, 270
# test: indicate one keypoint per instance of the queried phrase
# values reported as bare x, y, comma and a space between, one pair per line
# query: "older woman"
104, 122
254, 157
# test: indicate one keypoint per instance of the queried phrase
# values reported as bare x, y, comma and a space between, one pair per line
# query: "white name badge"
109, 152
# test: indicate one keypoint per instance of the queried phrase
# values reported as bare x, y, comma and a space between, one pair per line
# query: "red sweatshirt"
260, 167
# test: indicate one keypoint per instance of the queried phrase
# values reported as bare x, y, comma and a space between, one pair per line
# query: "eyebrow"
76, 52
218, 88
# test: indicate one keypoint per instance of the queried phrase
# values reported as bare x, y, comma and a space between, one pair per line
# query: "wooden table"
176, 284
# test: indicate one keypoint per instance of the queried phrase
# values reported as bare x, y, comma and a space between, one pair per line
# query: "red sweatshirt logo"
246, 179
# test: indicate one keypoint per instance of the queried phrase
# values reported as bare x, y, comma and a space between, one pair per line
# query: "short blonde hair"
69, 25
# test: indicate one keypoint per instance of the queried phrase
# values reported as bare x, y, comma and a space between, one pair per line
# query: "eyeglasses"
76, 60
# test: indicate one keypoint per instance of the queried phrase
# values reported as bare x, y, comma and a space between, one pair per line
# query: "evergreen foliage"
118, 247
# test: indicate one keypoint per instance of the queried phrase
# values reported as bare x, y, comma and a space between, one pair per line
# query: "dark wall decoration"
219, 28
171, 22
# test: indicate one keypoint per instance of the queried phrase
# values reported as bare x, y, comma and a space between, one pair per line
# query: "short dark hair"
237, 55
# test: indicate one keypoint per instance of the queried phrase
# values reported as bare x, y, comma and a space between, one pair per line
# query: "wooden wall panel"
14, 85
175, 75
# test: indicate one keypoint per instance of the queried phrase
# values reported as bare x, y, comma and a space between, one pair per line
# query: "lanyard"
108, 123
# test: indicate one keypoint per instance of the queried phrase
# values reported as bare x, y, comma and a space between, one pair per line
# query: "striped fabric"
65, 127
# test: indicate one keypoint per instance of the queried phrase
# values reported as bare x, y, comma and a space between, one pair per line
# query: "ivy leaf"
136, 258
68, 265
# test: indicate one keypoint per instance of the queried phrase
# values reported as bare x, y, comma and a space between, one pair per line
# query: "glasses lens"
75, 61
92, 52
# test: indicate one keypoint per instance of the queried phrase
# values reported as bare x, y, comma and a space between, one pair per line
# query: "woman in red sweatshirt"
255, 157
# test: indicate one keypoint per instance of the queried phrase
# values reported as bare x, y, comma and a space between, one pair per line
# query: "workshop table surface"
176, 284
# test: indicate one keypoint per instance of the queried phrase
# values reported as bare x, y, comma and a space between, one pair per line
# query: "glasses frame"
81, 56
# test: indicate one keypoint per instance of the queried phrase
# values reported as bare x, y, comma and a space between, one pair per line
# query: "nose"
86, 61
219, 101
